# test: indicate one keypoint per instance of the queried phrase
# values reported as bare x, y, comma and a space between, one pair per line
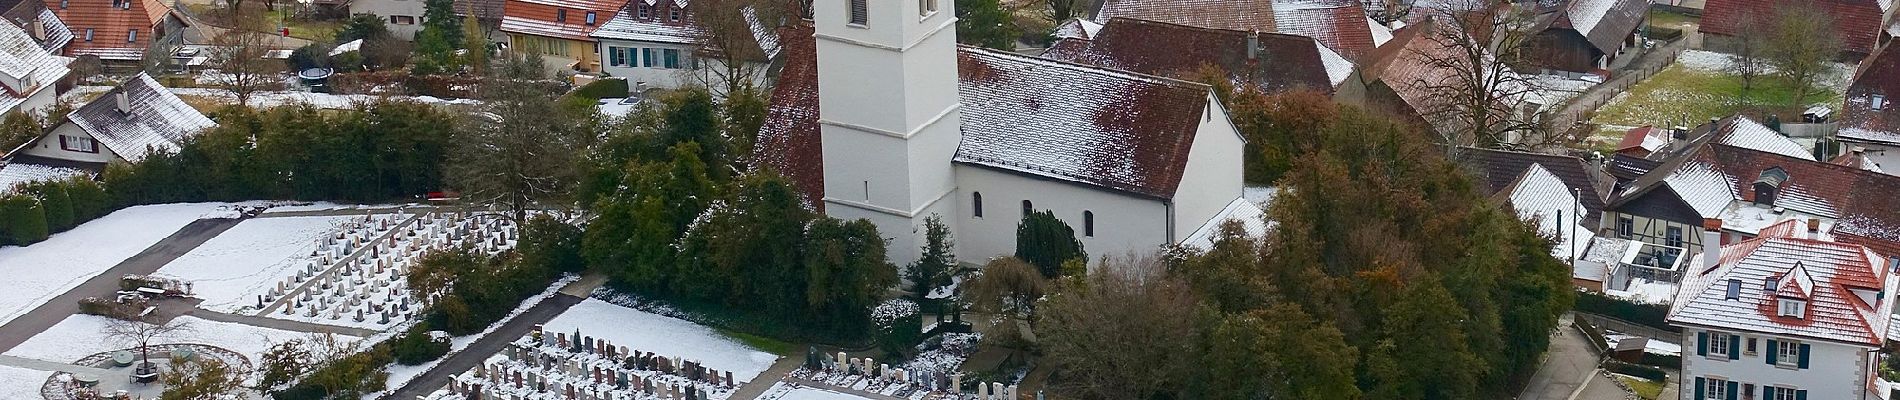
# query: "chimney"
1711, 242
1253, 45
1814, 228
124, 102
1679, 133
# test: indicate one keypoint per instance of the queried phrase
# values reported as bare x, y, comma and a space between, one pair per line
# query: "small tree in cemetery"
939, 260
205, 378
1046, 242
132, 329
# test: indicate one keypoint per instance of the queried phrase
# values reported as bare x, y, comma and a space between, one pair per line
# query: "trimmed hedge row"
1640, 371
38, 210
1651, 315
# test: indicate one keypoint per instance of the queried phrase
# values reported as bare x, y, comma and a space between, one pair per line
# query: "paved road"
485, 347
1568, 365
67, 304
759, 384
284, 324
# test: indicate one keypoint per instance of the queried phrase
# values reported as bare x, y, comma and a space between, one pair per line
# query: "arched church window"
976, 204
1088, 223
1028, 208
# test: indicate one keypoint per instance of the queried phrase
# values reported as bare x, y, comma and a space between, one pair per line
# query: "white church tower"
888, 110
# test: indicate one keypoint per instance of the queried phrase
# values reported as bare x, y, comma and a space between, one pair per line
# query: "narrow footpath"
146, 262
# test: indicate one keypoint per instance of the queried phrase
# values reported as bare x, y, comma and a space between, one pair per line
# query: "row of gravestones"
578, 344
921, 379
520, 386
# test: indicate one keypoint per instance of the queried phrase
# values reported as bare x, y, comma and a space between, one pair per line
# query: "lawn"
316, 30
1671, 20
1682, 95
1646, 389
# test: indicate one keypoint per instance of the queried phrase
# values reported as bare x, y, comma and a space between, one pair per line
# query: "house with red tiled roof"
1270, 62
1412, 78
1581, 36
1792, 314
1859, 23
1870, 119
118, 30
1340, 25
879, 115
560, 30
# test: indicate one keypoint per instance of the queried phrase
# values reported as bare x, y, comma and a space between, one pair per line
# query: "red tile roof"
1879, 75
1340, 25
1281, 63
110, 25
1022, 114
538, 17
1836, 280
1856, 21
1643, 140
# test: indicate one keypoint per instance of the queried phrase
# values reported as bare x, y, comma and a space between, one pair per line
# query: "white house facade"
402, 17
886, 118
657, 43
125, 124
1788, 315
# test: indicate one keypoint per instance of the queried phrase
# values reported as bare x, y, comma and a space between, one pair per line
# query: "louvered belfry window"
860, 12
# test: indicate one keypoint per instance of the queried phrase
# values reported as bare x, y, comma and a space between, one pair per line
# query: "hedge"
1661, 360
604, 88
1640, 371
1651, 315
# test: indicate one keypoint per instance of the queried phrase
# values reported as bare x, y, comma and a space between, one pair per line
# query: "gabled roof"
1020, 114
1879, 74
1077, 28
13, 174
158, 120
1837, 280
22, 57
1252, 219
1341, 25
537, 17
627, 25
1112, 129
1603, 23
1647, 139
1713, 176
1539, 195
1500, 171
1405, 65
1857, 22
1277, 63
57, 34
110, 26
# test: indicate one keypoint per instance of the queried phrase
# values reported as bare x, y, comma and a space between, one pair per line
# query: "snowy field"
37, 273
79, 336
21, 383
786, 391
231, 270
329, 206
644, 331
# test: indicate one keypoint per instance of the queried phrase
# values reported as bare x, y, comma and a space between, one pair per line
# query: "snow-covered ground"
1653, 346
1646, 291
1554, 90
1709, 61
231, 270
21, 383
79, 336
790, 391
37, 273
644, 331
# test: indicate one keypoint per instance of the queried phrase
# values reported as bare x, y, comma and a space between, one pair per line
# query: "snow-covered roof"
627, 25
1252, 220
1077, 28
158, 120
1844, 285
1276, 62
1542, 197
57, 34
15, 174
346, 47
22, 57
1101, 127
1748, 134
1340, 25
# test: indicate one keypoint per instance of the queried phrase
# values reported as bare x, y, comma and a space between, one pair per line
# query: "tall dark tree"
985, 23
939, 259
436, 43
518, 152
1046, 242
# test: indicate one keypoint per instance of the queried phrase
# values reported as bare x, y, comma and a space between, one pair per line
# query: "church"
879, 114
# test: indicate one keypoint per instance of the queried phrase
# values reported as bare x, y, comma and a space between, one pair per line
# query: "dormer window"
590, 17
560, 15
1877, 102
1768, 185
1791, 308
645, 11
62, 4
673, 14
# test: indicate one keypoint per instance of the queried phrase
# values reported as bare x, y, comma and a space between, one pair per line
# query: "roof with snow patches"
1879, 75
1545, 199
789, 138
655, 27
12, 175
21, 56
1857, 22
1277, 63
157, 121
1844, 285
1603, 23
1340, 25
1502, 170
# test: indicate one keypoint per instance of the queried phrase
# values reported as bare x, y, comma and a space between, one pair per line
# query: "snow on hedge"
79, 336
644, 331
231, 270
37, 273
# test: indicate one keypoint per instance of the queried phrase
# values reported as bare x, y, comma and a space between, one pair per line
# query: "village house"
119, 31
39, 23
402, 17
31, 76
1270, 62
1861, 24
1411, 79
663, 44
1791, 314
559, 29
1339, 25
1576, 37
123, 125
1870, 121
878, 114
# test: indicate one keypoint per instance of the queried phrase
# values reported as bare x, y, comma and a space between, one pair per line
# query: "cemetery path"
759, 384
106, 283
486, 346
284, 324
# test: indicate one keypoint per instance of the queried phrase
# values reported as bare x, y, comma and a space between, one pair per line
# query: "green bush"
24, 220
1640, 371
1664, 34
900, 327
604, 88
416, 347
1661, 360
1651, 315
58, 206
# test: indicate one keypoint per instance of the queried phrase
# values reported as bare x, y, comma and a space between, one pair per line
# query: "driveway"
106, 283
1569, 370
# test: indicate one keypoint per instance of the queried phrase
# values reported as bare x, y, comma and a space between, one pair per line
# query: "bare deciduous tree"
239, 54
1062, 10
729, 32
1477, 100
1386, 11
523, 147
132, 330
1803, 46
1749, 62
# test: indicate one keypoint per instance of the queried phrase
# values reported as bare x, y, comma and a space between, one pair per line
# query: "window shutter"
1734, 347
1801, 395
62, 142
1804, 355
1732, 390
1700, 389
1772, 351
1767, 392
1702, 343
